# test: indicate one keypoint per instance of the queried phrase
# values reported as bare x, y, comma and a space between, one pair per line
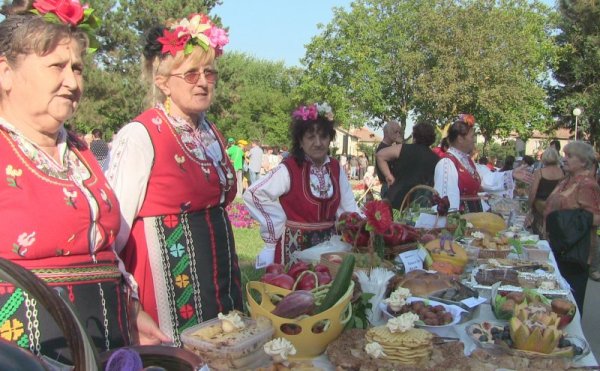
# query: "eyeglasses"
192, 77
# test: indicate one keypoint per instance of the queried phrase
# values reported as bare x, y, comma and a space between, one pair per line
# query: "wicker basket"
407, 201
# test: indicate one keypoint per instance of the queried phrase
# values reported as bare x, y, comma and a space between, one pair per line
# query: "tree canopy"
387, 59
578, 73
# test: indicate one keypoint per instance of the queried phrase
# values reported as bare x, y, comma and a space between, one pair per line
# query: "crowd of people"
149, 250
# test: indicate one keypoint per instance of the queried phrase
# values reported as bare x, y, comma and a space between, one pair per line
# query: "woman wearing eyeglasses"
171, 173
457, 177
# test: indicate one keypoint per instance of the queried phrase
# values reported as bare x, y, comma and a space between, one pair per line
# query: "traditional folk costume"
173, 182
457, 177
297, 204
59, 220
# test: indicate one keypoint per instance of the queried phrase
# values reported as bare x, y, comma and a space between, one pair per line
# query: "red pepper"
268, 277
275, 268
283, 280
297, 268
324, 278
322, 268
307, 282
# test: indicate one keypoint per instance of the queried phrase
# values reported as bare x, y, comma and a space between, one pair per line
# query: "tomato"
324, 278
322, 268
275, 268
297, 268
307, 282
283, 280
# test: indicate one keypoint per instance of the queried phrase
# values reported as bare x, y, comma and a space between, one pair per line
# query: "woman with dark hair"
58, 213
509, 162
412, 164
298, 202
457, 177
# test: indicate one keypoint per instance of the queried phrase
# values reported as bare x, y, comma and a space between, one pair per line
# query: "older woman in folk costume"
456, 175
173, 178
59, 215
297, 203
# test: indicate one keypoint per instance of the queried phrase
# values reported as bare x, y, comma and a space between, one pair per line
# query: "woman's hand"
390, 179
522, 173
147, 330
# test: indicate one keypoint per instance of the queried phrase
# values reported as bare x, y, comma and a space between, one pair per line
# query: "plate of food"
517, 338
434, 316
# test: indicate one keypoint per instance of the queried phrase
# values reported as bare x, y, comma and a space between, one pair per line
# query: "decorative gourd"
489, 222
447, 250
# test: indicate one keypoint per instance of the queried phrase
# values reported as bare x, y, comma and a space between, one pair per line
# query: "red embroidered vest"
299, 204
179, 182
46, 221
468, 184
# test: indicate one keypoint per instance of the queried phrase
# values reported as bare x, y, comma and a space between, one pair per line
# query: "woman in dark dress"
412, 164
544, 181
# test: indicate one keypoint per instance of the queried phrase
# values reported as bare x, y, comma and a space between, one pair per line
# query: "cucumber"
340, 283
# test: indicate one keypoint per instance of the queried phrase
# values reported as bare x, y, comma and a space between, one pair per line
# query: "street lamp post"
576, 113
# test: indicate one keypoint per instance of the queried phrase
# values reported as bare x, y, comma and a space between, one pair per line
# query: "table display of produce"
482, 296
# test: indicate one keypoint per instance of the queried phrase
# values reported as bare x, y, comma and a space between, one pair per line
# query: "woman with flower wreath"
457, 177
171, 173
59, 215
298, 202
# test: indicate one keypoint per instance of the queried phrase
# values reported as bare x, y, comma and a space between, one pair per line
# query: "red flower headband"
196, 29
312, 112
69, 12
467, 118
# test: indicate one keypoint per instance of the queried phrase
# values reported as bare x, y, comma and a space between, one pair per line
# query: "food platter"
482, 334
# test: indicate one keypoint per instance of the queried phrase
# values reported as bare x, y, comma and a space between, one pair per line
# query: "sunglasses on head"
192, 77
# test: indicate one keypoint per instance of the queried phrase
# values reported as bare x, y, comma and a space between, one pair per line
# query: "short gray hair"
583, 151
550, 156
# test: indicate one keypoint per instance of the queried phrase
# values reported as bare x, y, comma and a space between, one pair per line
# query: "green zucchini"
340, 283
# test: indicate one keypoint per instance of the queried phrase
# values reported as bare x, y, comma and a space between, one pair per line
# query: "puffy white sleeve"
446, 182
497, 182
131, 159
262, 200
347, 200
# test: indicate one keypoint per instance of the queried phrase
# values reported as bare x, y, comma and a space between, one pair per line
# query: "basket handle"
84, 354
405, 201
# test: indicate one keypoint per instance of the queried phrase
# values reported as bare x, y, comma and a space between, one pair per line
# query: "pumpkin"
489, 222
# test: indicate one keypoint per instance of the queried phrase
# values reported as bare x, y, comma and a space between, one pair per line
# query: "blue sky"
277, 30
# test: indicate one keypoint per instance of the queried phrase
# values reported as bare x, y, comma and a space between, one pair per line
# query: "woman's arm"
446, 182
537, 175
383, 156
131, 159
347, 201
262, 200
588, 197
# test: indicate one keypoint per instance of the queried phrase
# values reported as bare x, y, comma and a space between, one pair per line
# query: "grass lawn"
248, 244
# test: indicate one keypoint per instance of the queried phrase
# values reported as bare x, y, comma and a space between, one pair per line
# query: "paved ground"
591, 320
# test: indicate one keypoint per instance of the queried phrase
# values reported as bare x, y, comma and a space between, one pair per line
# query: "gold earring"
168, 105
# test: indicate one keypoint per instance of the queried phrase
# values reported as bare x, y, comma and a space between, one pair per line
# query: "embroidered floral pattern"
11, 330
23, 242
157, 121
182, 280
13, 174
180, 161
70, 197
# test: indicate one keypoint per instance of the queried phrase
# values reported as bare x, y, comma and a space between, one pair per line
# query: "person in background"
99, 148
411, 164
544, 181
457, 177
236, 155
255, 159
298, 202
578, 190
59, 215
284, 152
344, 163
353, 167
170, 170
392, 134
363, 162
509, 162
